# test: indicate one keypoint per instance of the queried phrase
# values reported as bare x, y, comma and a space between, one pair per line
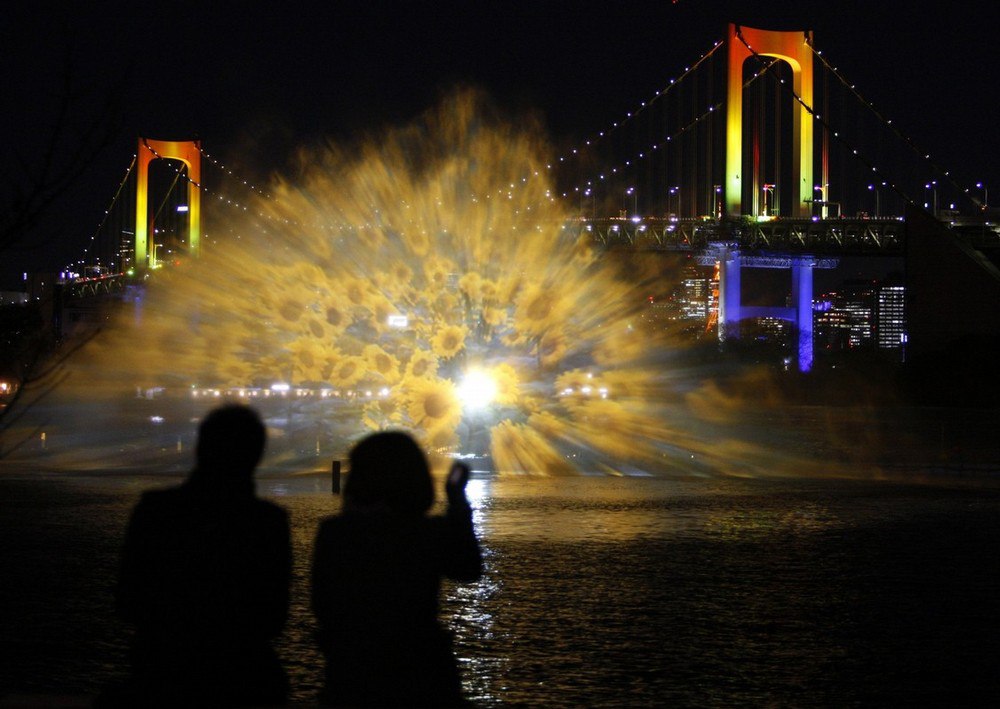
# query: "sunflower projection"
432, 278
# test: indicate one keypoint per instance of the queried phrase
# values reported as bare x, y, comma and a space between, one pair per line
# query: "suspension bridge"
759, 154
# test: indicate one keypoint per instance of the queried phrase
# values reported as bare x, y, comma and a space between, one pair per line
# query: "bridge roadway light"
986, 194
635, 199
767, 189
878, 199
932, 185
823, 213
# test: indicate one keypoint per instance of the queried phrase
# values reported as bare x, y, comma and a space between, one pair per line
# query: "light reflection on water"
599, 591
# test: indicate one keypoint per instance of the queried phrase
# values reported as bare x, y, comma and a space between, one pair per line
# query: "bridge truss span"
839, 237
827, 237
92, 287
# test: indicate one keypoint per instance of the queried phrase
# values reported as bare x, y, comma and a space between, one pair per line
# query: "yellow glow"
424, 221
477, 390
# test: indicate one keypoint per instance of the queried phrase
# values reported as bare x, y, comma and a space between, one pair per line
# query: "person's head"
389, 469
230, 444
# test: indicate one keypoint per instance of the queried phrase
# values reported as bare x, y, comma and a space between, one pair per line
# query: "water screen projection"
430, 280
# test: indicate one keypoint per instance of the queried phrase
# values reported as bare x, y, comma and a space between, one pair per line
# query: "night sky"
253, 80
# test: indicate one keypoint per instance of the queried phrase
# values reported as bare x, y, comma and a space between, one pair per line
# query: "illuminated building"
844, 319
694, 294
891, 317
690, 304
862, 315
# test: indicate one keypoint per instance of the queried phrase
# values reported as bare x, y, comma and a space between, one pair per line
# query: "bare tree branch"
85, 122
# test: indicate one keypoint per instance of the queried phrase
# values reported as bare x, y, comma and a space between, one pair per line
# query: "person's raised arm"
463, 561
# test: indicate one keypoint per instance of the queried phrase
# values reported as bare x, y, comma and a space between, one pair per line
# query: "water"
598, 591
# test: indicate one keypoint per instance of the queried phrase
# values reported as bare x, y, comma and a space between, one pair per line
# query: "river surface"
598, 591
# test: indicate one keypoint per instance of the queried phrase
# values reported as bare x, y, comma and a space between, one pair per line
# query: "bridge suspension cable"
907, 140
769, 68
228, 171
219, 195
107, 212
644, 154
629, 115
858, 154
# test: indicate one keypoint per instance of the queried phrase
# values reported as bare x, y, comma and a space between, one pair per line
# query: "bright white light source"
477, 390
280, 387
400, 321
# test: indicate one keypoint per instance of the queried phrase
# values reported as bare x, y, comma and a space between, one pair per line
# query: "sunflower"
422, 364
436, 272
506, 379
552, 347
487, 289
357, 291
432, 404
290, 309
401, 273
472, 285
445, 306
306, 350
395, 282
382, 412
380, 309
494, 317
449, 341
382, 363
313, 326
347, 371
308, 358
539, 309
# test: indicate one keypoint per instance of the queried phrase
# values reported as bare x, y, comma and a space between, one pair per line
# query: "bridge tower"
791, 47
188, 152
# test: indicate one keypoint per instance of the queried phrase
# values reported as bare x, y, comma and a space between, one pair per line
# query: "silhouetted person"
376, 579
205, 577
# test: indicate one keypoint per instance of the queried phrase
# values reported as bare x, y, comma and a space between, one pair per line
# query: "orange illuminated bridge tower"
793, 48
188, 152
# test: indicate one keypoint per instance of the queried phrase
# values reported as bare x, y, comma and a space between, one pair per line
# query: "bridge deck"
833, 237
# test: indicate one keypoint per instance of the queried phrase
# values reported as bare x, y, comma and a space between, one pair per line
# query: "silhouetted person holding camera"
205, 575
377, 574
